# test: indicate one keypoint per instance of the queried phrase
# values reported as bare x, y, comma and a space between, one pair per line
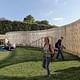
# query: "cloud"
56, 1
60, 2
48, 13
58, 19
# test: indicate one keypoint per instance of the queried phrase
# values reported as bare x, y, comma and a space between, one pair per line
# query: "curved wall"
70, 32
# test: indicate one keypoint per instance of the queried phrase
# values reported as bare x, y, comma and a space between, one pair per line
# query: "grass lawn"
4, 54
26, 64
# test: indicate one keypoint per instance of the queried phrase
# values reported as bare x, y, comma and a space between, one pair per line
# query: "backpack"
56, 45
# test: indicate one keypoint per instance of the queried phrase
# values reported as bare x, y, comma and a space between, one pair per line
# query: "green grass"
26, 64
3, 55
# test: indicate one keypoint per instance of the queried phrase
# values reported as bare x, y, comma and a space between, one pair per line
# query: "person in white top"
13, 46
47, 51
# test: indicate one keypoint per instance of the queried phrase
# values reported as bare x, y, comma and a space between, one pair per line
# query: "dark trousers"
60, 52
46, 62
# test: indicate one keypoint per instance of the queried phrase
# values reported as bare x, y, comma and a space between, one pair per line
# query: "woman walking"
48, 51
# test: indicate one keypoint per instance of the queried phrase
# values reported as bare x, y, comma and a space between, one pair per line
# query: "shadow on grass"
5, 62
23, 56
72, 73
30, 48
53, 77
24, 78
13, 58
67, 57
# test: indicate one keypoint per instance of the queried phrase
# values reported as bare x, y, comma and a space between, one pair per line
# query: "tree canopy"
29, 19
28, 24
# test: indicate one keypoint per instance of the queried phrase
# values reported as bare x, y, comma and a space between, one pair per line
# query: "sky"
57, 12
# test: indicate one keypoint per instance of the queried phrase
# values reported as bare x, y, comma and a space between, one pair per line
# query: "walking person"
60, 48
48, 51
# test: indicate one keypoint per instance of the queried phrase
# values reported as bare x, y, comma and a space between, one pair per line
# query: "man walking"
60, 47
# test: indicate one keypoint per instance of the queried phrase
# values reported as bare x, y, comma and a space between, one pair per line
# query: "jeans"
46, 62
60, 52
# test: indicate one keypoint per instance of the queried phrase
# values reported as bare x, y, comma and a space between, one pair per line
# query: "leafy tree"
44, 22
29, 19
29, 24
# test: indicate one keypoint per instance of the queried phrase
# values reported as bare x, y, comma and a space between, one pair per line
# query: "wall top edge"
37, 31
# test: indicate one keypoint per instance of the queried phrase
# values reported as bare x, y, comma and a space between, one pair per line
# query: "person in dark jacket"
60, 48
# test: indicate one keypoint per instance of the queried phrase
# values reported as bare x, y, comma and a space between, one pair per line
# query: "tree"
29, 19
45, 22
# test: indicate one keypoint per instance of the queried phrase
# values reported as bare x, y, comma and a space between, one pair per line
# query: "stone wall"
31, 38
70, 32
72, 37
